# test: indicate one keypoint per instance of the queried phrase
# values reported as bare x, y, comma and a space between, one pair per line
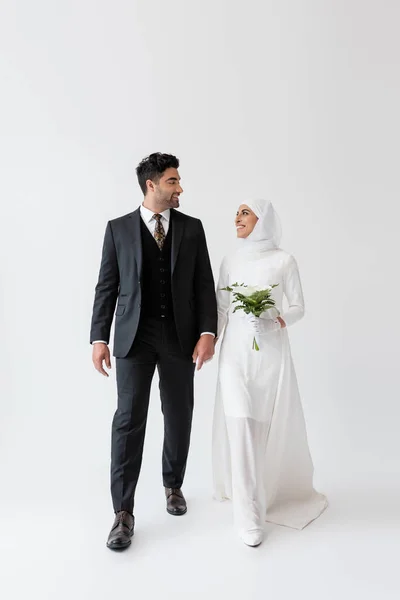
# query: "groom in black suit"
156, 270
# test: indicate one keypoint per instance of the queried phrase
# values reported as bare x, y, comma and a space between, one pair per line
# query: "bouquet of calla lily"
253, 300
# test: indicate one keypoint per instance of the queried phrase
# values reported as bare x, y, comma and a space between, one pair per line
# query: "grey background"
297, 101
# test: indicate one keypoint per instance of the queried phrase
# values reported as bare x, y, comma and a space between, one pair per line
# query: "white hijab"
267, 232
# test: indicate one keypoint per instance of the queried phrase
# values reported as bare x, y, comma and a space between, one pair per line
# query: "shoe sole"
120, 546
176, 514
253, 545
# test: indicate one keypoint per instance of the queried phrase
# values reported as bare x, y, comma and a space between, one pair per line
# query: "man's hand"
204, 350
101, 353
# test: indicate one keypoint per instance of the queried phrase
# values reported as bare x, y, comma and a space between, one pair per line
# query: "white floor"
55, 513
58, 552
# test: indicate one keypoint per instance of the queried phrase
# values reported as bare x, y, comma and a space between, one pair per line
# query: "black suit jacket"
119, 282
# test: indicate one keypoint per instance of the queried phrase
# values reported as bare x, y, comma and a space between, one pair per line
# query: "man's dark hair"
152, 167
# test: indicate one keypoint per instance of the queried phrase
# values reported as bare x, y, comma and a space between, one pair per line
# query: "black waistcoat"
156, 276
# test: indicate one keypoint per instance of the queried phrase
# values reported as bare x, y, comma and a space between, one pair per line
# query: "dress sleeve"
294, 293
223, 298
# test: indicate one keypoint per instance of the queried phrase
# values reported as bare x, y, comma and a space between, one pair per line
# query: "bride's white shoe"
254, 537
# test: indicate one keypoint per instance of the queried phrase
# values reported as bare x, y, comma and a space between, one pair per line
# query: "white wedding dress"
261, 458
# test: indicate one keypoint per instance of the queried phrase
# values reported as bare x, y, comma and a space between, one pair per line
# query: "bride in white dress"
261, 458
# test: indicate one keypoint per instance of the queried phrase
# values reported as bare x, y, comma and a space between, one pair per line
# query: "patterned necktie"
159, 233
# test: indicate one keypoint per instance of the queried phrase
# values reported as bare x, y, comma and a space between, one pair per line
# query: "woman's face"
245, 221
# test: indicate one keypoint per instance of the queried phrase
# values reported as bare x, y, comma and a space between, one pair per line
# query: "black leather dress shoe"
121, 531
176, 503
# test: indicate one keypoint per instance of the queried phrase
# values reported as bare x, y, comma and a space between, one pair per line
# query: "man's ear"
150, 185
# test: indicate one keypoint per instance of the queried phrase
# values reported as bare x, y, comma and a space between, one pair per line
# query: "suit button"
139, 305
162, 270
138, 280
162, 306
162, 281
162, 295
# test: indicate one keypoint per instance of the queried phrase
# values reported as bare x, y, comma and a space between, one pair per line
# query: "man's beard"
173, 202
169, 201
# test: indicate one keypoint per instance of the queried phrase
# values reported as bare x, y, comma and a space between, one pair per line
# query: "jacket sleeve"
294, 293
106, 290
205, 301
223, 298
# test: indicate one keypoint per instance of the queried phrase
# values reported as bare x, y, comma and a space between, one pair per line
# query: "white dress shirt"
147, 217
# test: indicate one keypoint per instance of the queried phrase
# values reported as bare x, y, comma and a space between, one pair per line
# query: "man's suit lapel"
177, 233
137, 239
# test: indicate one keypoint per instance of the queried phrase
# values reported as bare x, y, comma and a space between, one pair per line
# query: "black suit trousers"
156, 345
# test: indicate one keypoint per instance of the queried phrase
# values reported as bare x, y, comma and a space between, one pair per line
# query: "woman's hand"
261, 326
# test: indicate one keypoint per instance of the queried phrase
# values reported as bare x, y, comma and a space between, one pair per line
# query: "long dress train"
261, 458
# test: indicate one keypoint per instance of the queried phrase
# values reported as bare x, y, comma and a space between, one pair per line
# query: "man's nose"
180, 190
